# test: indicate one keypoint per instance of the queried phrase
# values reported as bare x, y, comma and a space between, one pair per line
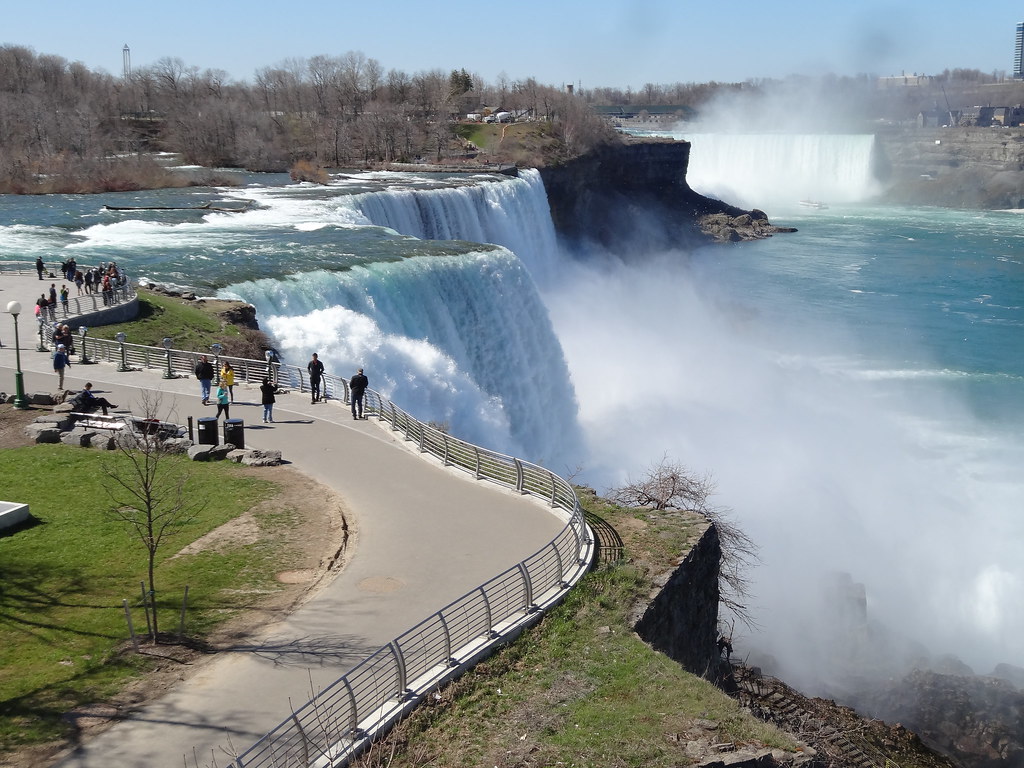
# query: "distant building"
937, 118
1018, 52
904, 81
978, 116
647, 112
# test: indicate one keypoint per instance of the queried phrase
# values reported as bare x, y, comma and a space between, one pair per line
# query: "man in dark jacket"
204, 372
316, 373
357, 386
86, 402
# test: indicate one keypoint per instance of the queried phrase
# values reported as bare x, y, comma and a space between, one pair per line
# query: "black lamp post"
20, 402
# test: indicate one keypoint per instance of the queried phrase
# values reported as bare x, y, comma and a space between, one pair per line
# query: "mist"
885, 518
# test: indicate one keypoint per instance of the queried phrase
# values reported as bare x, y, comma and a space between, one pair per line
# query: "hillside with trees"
65, 128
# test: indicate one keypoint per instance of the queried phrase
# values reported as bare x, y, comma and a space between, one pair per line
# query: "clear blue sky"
605, 42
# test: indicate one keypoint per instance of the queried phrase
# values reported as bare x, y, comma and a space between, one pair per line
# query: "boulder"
42, 398
256, 458
61, 421
200, 452
220, 452
43, 433
177, 445
103, 441
78, 437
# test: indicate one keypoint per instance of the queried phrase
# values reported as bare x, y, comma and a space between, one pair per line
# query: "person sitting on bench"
86, 402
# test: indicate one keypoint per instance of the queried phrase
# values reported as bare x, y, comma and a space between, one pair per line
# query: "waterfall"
777, 170
462, 340
513, 213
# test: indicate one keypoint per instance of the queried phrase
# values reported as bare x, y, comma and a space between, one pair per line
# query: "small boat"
244, 205
813, 204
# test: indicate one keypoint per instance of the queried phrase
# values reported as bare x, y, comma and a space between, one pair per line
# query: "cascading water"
775, 171
511, 213
424, 328
462, 339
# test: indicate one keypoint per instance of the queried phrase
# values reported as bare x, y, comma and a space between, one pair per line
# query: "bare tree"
148, 492
668, 485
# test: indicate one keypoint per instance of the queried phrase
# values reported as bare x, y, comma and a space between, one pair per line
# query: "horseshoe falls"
775, 171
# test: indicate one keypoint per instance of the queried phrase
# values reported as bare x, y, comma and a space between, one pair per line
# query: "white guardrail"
343, 718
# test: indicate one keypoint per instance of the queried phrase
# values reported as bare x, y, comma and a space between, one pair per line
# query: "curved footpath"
429, 533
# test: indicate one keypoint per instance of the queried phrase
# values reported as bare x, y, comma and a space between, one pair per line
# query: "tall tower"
1018, 55
126, 56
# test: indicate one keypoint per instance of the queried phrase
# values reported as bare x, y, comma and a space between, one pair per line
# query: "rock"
977, 720
60, 421
199, 452
251, 457
42, 398
243, 315
177, 445
103, 441
1012, 674
77, 437
220, 452
256, 458
43, 433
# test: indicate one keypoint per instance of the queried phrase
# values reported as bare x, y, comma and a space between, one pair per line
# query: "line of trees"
60, 119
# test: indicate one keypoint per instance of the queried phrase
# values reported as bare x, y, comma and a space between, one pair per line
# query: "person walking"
204, 373
267, 392
227, 377
60, 363
316, 373
357, 386
222, 402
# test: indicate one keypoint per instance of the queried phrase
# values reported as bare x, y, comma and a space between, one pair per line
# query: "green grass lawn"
191, 325
63, 580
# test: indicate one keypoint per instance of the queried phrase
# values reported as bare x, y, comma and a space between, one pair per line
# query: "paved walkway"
427, 535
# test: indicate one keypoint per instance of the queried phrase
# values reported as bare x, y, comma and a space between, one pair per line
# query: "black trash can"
206, 429
234, 432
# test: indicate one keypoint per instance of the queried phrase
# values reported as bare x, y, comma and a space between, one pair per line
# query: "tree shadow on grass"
28, 607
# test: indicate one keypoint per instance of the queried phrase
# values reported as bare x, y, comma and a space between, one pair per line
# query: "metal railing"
344, 717
181, 363
85, 304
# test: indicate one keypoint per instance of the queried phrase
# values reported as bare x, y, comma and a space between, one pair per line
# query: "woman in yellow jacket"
227, 379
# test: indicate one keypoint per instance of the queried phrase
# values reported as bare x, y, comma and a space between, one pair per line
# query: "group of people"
204, 373
225, 394
103, 278
63, 348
